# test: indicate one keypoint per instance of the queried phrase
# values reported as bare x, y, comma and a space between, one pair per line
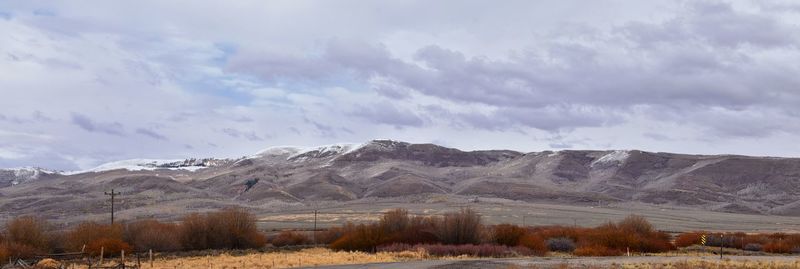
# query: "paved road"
551, 261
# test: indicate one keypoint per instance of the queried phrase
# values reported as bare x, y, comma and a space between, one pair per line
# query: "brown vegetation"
290, 238
152, 234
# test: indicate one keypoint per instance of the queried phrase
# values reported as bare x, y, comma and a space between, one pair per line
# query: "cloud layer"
86, 84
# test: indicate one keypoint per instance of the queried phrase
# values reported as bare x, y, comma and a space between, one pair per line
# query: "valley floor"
504, 211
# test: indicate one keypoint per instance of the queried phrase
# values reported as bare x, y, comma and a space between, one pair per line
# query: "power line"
113, 194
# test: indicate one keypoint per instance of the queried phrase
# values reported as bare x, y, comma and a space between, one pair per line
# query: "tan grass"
286, 259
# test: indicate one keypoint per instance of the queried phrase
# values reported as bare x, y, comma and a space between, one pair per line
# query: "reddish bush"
482, 250
289, 238
507, 234
596, 251
462, 227
395, 221
109, 246
88, 232
778, 247
421, 230
5, 254
227, 229
328, 236
688, 239
548, 232
193, 232
361, 238
10, 250
534, 243
633, 233
152, 234
28, 231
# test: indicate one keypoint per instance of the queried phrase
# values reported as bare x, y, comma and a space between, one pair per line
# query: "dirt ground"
583, 262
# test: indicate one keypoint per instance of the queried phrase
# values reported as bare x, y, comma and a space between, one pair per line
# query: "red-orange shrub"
29, 231
507, 234
152, 234
361, 238
535, 243
10, 250
231, 228
688, 239
88, 232
109, 246
596, 251
778, 247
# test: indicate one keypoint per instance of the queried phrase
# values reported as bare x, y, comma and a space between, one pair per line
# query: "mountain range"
287, 177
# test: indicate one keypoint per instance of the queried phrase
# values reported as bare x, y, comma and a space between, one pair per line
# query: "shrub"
688, 239
5, 254
561, 244
753, 247
109, 247
10, 250
507, 234
330, 235
227, 229
462, 227
234, 228
636, 224
395, 221
548, 232
534, 243
362, 238
89, 232
289, 238
28, 231
152, 234
421, 230
596, 251
777, 247
193, 232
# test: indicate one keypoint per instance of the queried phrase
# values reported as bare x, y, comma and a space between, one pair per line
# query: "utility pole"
314, 234
721, 243
112, 193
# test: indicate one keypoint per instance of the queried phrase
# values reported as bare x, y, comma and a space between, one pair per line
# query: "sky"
87, 82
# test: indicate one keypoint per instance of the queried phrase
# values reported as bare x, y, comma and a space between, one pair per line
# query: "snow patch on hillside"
614, 157
296, 153
146, 164
23, 174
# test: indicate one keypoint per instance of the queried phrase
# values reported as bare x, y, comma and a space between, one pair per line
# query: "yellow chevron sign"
703, 240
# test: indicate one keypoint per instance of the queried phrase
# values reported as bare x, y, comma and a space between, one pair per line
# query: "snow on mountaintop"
23, 174
147, 164
614, 157
304, 153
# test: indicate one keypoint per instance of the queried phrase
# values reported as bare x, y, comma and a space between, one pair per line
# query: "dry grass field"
286, 259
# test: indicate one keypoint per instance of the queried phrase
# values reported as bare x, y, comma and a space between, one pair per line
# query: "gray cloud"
151, 133
704, 58
249, 135
87, 124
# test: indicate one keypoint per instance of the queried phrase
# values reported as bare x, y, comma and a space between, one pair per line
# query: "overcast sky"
86, 82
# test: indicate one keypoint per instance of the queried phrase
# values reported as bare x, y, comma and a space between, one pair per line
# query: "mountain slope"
383, 169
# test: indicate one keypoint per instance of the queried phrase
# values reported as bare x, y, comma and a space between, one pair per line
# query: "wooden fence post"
123, 259
101, 255
151, 258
